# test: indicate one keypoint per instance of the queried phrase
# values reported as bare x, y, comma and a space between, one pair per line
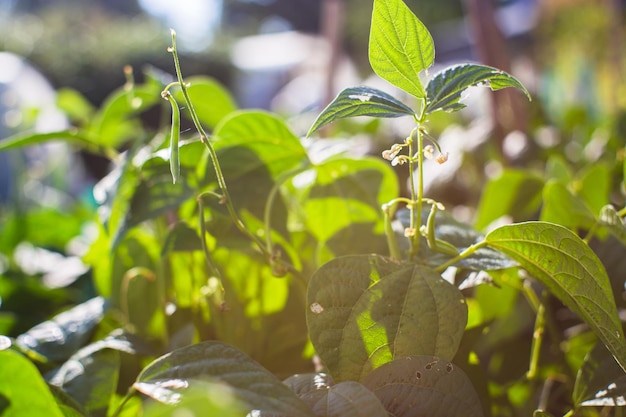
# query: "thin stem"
216, 165
540, 325
205, 248
466, 253
415, 207
392, 242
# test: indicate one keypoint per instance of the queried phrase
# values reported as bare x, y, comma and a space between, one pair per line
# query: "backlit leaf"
600, 380
23, 391
361, 101
445, 89
367, 310
570, 270
614, 223
423, 386
400, 46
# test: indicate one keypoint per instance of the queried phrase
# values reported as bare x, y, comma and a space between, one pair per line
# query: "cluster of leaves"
215, 291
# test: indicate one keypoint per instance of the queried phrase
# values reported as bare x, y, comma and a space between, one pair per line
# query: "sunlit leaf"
167, 378
400, 46
211, 101
23, 391
367, 310
78, 137
570, 270
562, 207
361, 101
514, 193
445, 89
416, 386
57, 339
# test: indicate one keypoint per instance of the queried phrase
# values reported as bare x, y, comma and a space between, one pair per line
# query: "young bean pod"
174, 136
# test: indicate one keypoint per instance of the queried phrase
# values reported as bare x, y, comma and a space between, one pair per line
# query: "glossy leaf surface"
367, 310
445, 89
400, 46
57, 339
167, 378
570, 270
361, 101
423, 386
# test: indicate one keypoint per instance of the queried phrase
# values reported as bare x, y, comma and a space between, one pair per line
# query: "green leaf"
515, 193
361, 101
211, 101
562, 207
445, 89
78, 137
400, 46
352, 190
23, 391
594, 186
424, 386
57, 339
600, 380
90, 375
74, 104
325, 398
367, 310
168, 377
570, 270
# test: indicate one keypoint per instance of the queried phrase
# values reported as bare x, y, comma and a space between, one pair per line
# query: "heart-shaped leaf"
445, 89
361, 101
424, 386
570, 270
400, 46
167, 378
367, 310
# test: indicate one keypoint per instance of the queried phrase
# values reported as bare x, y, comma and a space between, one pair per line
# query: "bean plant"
238, 274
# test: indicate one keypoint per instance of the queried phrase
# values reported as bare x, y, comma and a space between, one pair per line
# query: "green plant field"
232, 272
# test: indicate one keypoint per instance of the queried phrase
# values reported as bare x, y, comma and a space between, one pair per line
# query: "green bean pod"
174, 137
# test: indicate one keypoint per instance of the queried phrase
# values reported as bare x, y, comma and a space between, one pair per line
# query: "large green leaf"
361, 101
562, 207
75, 136
570, 270
352, 190
57, 339
515, 193
23, 391
424, 386
400, 46
367, 310
167, 378
445, 89
211, 101
271, 140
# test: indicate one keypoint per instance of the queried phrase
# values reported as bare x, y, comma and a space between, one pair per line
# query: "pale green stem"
392, 242
216, 165
540, 325
464, 254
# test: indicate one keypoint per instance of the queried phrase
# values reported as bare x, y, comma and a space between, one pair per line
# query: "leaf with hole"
422, 386
367, 310
400, 46
445, 89
570, 270
361, 101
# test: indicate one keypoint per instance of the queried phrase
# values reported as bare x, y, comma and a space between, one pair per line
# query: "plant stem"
392, 243
466, 253
540, 324
216, 165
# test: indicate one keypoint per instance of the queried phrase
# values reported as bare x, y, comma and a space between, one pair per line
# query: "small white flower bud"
442, 158
429, 151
